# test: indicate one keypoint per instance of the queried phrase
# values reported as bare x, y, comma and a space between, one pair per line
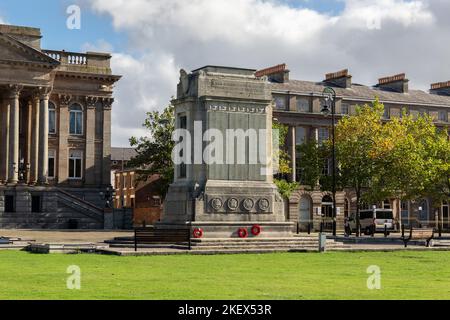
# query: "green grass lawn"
337, 275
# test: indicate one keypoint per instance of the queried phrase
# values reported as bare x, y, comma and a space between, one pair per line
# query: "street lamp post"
329, 96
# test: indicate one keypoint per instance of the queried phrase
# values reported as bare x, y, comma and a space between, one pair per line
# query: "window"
326, 169
51, 118
156, 201
9, 203
345, 108
51, 163
280, 103
36, 204
303, 105
76, 119
386, 113
300, 135
75, 164
323, 135
443, 116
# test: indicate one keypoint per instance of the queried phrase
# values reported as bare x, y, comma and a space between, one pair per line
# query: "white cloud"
371, 38
147, 85
100, 46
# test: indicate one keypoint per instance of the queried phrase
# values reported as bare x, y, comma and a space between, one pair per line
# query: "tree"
284, 187
356, 149
408, 150
154, 151
439, 187
311, 157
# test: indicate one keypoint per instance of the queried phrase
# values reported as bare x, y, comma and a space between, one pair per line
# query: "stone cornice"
88, 76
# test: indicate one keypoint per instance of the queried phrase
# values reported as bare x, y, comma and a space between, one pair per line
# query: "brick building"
142, 197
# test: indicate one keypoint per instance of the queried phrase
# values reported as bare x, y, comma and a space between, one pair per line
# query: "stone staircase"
80, 205
235, 245
61, 207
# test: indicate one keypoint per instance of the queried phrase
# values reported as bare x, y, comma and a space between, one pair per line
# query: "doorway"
327, 212
305, 212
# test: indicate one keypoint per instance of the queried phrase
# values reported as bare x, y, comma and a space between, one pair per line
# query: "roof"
364, 93
119, 154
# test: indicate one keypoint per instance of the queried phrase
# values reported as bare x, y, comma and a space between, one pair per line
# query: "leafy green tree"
356, 140
415, 158
154, 151
438, 188
284, 186
310, 165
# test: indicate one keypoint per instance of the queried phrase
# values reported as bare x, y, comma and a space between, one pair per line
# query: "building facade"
55, 139
298, 105
142, 197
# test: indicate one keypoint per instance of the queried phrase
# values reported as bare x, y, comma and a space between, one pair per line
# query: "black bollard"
298, 227
440, 230
309, 227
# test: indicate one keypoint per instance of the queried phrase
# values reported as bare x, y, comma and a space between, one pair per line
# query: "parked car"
378, 218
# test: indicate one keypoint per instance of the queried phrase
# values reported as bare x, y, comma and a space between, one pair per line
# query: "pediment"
14, 51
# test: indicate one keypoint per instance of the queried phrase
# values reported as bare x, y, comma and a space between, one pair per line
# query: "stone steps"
308, 243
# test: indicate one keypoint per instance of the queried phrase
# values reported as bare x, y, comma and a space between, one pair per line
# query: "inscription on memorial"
237, 108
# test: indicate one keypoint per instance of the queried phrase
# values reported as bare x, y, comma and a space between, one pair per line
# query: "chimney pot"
340, 79
397, 83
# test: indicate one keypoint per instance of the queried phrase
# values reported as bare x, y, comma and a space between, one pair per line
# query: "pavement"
65, 236
61, 239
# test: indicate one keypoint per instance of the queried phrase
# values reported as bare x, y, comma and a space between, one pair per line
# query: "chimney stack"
278, 73
340, 79
397, 83
441, 88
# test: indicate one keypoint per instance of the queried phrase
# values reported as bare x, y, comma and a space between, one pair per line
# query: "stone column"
106, 168
34, 153
292, 152
43, 140
28, 140
63, 150
13, 165
4, 152
90, 141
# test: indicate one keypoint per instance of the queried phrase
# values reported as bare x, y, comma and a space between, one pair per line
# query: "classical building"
298, 104
55, 139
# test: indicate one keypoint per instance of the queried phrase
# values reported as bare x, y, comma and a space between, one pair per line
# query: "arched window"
76, 119
51, 118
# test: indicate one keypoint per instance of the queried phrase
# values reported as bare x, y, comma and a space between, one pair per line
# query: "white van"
381, 218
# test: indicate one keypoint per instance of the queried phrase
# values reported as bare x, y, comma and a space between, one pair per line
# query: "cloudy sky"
152, 39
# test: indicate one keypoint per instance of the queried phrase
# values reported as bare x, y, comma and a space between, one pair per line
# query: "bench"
150, 235
425, 234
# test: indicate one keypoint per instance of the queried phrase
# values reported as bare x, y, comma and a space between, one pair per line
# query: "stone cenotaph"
219, 189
